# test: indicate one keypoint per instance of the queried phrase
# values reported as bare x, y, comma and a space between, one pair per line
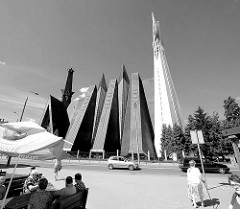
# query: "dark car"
209, 166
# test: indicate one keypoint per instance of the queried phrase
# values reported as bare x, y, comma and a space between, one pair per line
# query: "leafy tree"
177, 139
188, 147
199, 120
231, 112
166, 138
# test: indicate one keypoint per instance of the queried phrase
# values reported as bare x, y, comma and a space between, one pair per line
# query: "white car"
121, 162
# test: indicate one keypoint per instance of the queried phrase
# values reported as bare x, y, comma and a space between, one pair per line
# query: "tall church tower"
166, 105
67, 92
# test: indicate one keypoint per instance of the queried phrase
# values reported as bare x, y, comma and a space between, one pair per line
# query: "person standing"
234, 181
195, 187
57, 168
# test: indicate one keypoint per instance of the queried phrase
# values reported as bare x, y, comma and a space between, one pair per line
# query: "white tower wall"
166, 106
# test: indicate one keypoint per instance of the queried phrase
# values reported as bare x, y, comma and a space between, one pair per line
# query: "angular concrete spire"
123, 91
55, 118
101, 94
166, 105
107, 136
138, 135
102, 83
79, 134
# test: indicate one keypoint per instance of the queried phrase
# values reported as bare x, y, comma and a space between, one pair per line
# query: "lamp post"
9, 157
17, 115
26, 103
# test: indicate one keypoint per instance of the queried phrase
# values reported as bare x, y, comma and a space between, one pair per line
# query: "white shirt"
194, 175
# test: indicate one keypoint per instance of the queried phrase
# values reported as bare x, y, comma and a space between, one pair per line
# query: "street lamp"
17, 115
26, 103
9, 157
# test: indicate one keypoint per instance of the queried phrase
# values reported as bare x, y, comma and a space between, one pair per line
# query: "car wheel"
221, 170
131, 168
110, 166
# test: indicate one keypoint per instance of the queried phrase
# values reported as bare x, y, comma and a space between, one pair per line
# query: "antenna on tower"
155, 29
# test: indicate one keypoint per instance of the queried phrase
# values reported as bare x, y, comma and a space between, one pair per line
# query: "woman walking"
57, 168
195, 187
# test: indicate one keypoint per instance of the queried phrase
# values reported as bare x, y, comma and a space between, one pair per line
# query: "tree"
231, 112
199, 120
166, 138
177, 139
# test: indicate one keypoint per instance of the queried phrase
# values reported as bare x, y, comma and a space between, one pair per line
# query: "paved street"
153, 187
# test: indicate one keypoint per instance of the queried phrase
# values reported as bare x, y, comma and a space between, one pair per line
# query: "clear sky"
40, 40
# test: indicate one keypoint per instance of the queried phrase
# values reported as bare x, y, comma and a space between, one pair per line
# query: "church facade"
124, 117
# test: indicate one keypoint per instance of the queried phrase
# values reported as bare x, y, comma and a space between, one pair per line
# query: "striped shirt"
80, 186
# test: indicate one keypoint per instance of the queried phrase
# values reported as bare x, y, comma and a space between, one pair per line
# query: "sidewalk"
133, 190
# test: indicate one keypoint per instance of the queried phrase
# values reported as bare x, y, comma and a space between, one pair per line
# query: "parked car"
208, 165
121, 162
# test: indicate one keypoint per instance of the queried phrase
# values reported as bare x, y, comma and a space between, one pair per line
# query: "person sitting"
70, 189
2, 187
79, 184
31, 183
41, 199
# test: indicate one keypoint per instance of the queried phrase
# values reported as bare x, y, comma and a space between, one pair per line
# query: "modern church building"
124, 117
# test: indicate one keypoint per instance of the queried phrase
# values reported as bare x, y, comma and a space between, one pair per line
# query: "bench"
17, 202
16, 187
76, 201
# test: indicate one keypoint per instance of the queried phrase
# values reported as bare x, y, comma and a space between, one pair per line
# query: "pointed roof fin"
123, 74
103, 83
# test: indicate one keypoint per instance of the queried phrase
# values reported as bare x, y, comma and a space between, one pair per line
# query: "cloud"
237, 98
2, 63
82, 95
84, 89
76, 99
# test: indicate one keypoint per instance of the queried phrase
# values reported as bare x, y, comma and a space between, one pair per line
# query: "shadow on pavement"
13, 165
212, 202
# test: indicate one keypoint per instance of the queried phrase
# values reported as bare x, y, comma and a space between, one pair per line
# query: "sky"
40, 40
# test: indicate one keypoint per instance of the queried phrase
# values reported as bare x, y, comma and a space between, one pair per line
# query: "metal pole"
200, 156
204, 177
23, 109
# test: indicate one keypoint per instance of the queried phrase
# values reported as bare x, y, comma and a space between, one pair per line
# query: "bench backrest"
77, 200
16, 187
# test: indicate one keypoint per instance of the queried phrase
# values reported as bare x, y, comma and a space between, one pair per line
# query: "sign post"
197, 138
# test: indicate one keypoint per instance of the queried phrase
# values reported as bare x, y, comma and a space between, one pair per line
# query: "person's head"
78, 177
68, 181
35, 174
192, 163
234, 181
2, 180
43, 182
